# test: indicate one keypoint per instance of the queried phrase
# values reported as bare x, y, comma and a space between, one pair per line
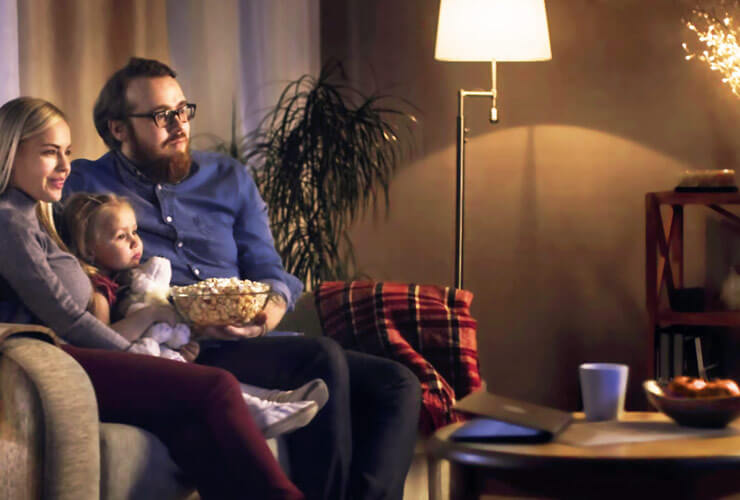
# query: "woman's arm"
25, 267
135, 324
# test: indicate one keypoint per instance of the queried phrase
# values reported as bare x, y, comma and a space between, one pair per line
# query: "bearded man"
203, 212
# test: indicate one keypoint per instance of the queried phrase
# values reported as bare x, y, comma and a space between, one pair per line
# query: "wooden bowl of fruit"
696, 402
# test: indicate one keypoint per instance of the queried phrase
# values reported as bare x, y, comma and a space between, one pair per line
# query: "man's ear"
118, 129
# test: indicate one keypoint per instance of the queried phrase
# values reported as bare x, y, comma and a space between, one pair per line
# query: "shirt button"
179, 244
196, 271
168, 218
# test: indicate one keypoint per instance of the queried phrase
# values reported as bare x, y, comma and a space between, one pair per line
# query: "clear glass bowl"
219, 308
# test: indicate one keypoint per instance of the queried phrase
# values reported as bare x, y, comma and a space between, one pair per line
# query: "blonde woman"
197, 411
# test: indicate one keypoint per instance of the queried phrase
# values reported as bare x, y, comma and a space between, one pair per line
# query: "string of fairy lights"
718, 45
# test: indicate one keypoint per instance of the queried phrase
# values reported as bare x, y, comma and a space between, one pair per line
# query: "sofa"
52, 444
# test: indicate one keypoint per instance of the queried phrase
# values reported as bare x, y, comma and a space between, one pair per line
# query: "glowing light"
721, 50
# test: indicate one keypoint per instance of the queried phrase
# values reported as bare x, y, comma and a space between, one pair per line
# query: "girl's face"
41, 163
118, 245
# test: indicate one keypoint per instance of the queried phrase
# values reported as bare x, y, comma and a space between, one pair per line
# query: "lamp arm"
460, 172
494, 112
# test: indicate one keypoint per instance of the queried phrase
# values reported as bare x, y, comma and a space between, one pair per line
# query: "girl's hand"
162, 313
136, 323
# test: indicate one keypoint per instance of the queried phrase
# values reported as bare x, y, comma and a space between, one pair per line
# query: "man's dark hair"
111, 103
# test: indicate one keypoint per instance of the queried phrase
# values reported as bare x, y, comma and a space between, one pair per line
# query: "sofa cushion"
426, 327
135, 464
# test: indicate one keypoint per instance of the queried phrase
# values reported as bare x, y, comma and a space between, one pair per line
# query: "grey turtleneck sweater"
49, 282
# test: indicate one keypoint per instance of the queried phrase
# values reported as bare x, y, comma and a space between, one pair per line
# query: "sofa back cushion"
426, 327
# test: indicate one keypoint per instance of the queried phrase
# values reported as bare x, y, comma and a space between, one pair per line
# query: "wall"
67, 50
555, 195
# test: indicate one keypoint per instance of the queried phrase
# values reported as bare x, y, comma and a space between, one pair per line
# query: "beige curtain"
240, 52
204, 47
9, 78
68, 48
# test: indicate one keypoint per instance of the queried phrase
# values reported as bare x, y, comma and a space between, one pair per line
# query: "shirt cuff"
282, 289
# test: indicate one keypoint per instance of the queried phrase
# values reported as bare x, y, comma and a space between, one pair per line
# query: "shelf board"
705, 318
697, 198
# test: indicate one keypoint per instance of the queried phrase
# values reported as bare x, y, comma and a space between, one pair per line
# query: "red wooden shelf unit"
664, 262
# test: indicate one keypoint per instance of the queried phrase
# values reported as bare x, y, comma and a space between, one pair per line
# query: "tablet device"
488, 430
510, 419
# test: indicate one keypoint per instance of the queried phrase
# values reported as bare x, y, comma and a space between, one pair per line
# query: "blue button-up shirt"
213, 224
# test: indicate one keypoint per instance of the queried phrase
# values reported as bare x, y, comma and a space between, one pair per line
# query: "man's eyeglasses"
163, 118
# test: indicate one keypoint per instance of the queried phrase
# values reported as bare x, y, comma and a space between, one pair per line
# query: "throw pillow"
428, 328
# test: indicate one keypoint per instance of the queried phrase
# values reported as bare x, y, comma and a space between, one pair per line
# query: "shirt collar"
129, 168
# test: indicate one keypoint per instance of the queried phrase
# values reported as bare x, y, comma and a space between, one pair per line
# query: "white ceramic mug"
603, 387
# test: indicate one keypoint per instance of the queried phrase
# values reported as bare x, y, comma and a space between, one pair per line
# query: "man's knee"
405, 385
329, 360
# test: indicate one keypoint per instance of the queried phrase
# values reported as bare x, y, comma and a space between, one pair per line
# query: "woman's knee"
221, 383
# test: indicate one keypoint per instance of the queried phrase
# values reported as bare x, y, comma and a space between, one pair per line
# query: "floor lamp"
486, 30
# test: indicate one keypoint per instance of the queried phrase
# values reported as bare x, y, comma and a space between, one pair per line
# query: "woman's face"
42, 163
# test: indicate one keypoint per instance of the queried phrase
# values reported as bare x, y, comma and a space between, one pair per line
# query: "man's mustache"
175, 137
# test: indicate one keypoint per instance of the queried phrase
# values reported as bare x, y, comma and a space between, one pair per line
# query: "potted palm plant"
320, 158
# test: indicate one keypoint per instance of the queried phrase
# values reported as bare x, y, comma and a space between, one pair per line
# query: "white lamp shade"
492, 30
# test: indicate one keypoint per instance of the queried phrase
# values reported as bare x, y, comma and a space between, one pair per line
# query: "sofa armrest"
63, 423
303, 318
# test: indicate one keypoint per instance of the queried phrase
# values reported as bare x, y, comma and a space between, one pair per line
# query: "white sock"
160, 332
145, 345
180, 336
274, 418
167, 353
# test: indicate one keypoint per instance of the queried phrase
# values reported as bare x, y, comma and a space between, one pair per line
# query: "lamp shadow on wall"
554, 247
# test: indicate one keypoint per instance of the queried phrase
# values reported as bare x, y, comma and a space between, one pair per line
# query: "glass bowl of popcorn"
220, 301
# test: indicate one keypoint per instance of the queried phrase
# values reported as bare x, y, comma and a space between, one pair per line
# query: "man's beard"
170, 169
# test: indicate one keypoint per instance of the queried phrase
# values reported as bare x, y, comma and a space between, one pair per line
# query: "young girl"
224, 454
101, 230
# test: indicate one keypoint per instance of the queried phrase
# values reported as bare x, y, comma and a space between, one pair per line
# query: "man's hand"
262, 323
234, 332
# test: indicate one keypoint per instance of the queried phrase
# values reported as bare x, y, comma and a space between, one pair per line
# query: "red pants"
198, 413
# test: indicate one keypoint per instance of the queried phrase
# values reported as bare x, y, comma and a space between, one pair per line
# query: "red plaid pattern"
425, 327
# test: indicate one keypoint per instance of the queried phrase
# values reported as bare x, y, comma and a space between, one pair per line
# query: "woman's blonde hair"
82, 215
20, 119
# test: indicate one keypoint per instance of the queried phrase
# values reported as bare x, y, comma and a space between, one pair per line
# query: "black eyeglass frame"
169, 114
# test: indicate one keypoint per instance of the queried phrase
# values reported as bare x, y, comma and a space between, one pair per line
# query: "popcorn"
220, 301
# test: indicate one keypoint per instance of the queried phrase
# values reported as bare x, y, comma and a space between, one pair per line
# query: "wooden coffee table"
695, 467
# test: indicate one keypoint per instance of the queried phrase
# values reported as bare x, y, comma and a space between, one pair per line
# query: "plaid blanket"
427, 328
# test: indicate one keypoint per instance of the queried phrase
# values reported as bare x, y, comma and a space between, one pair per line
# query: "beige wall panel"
555, 192
68, 48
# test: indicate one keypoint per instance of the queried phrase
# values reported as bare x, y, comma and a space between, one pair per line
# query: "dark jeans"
199, 414
361, 443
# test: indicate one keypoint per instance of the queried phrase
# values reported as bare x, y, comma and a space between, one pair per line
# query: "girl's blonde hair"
20, 119
82, 215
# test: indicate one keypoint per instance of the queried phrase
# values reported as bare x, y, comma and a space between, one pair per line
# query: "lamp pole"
460, 177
